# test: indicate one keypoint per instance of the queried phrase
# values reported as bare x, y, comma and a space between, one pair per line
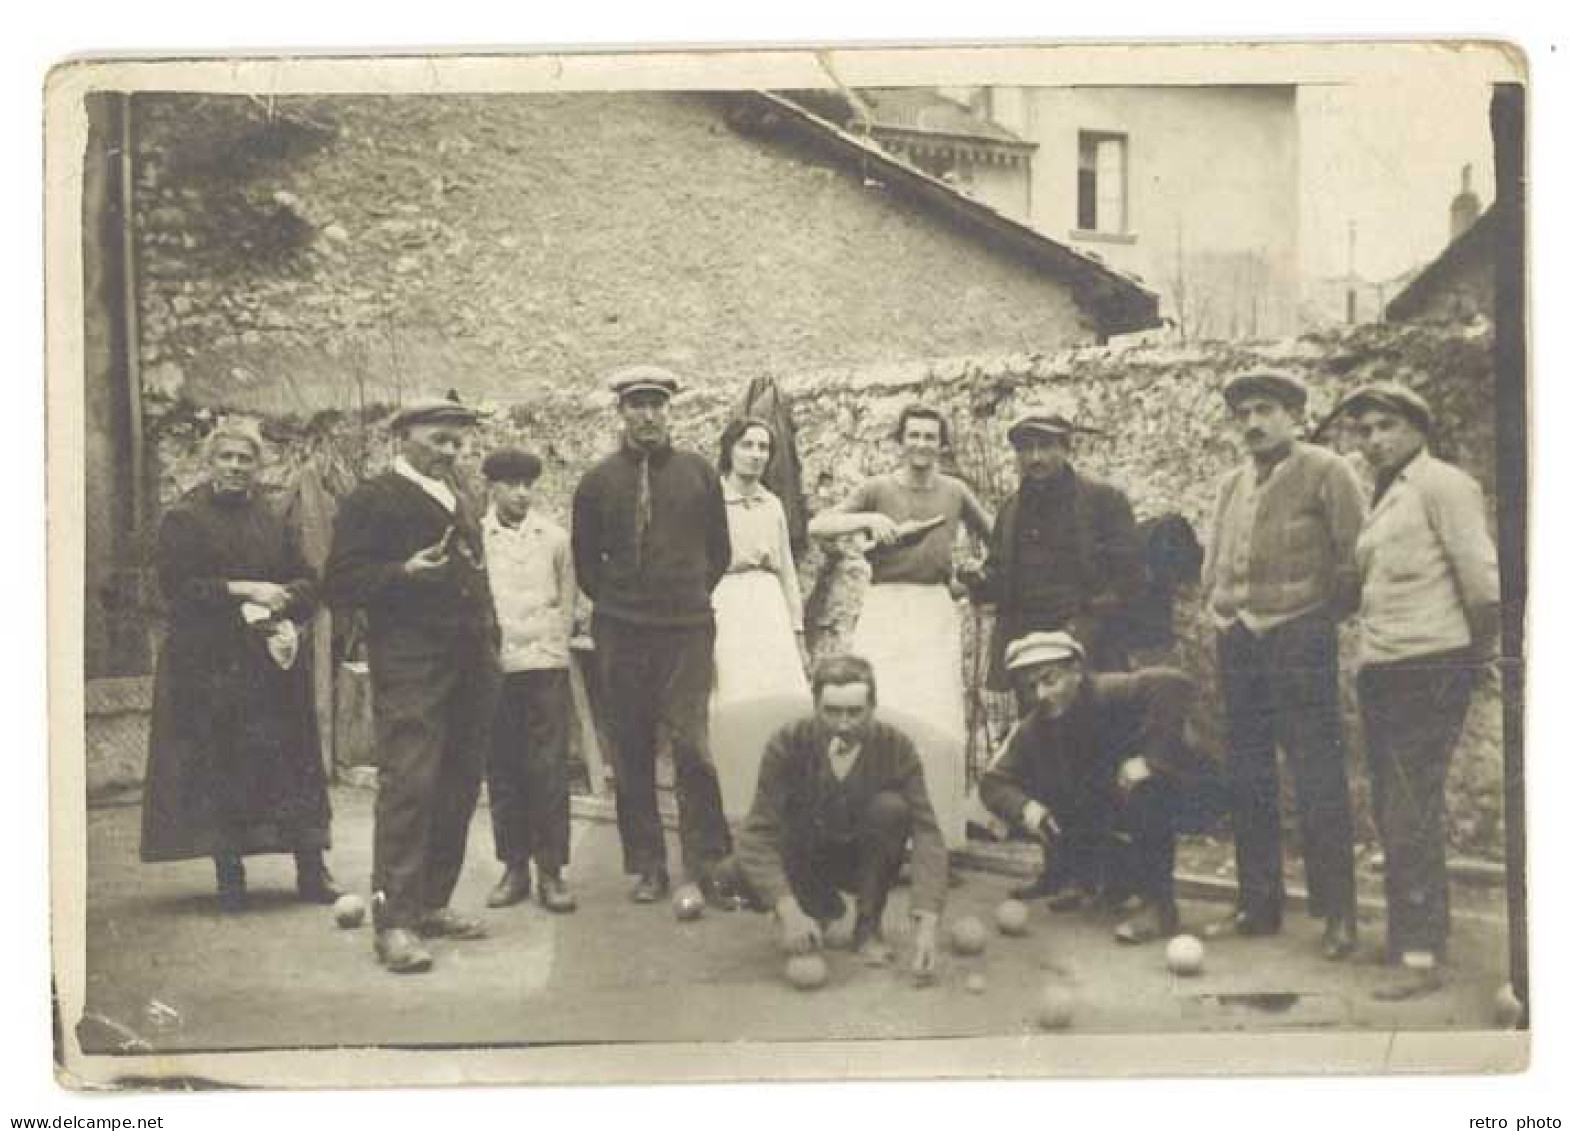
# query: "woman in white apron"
760, 681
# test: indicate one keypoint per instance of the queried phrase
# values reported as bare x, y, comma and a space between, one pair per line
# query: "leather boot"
512, 888
313, 882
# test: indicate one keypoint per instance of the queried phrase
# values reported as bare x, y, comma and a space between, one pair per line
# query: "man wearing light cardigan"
1429, 621
1279, 576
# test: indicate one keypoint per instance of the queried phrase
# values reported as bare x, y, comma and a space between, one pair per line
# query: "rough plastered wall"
299, 254
1164, 439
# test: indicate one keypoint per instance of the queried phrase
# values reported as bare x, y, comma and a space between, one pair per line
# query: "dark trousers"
866, 865
656, 683
1413, 713
433, 703
1279, 690
1083, 853
1147, 839
526, 775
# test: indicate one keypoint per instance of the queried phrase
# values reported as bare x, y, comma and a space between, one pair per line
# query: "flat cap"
1039, 424
1391, 397
1041, 648
511, 465
641, 378
433, 410
1282, 387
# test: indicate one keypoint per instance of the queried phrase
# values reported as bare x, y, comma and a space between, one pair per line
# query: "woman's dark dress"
234, 764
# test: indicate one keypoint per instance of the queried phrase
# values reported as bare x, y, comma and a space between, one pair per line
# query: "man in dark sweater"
1098, 753
839, 794
650, 543
407, 550
1064, 557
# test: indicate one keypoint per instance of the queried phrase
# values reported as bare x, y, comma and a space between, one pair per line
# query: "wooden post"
314, 507
588, 731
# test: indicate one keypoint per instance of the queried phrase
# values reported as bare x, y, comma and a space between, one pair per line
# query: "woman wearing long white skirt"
759, 655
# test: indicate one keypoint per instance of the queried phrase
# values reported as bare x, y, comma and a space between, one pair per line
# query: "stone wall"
1164, 438
300, 254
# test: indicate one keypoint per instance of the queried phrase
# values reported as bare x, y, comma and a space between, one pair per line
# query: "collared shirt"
533, 589
842, 757
1425, 557
438, 490
1282, 543
760, 539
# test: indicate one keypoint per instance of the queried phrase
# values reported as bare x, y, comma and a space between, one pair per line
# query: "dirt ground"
165, 968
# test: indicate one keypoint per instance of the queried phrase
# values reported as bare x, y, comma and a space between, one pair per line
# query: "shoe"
401, 952
867, 942
652, 887
445, 923
315, 884
1152, 921
512, 888
1071, 898
719, 895
1243, 924
1340, 939
554, 895
1039, 888
1418, 975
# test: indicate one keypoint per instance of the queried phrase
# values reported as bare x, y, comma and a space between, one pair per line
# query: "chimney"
1465, 207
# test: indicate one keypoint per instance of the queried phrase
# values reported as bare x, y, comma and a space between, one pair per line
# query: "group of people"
697, 609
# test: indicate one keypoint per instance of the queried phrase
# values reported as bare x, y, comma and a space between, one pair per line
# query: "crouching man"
1097, 748
839, 795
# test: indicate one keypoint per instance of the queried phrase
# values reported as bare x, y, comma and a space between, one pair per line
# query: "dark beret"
510, 465
1283, 388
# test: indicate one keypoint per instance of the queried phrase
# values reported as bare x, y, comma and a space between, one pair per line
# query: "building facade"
1195, 190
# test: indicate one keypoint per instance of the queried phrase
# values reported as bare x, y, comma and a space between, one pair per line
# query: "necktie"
643, 508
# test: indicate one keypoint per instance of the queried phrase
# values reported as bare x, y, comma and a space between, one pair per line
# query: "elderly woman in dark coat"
234, 765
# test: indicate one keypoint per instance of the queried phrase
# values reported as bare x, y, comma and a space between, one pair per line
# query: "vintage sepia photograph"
789, 563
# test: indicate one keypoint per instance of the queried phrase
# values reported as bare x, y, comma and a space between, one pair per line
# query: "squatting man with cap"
839, 795
1429, 619
532, 585
1279, 575
650, 543
1098, 753
1063, 557
407, 549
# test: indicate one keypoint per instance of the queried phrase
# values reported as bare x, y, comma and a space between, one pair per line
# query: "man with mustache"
408, 550
1089, 736
1063, 557
1279, 575
650, 543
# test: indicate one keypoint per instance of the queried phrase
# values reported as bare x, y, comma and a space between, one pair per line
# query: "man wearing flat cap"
1063, 557
650, 543
1428, 625
535, 595
1098, 754
1279, 576
408, 551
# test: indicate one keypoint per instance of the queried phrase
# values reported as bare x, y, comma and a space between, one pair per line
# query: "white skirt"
755, 643
911, 636
759, 682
